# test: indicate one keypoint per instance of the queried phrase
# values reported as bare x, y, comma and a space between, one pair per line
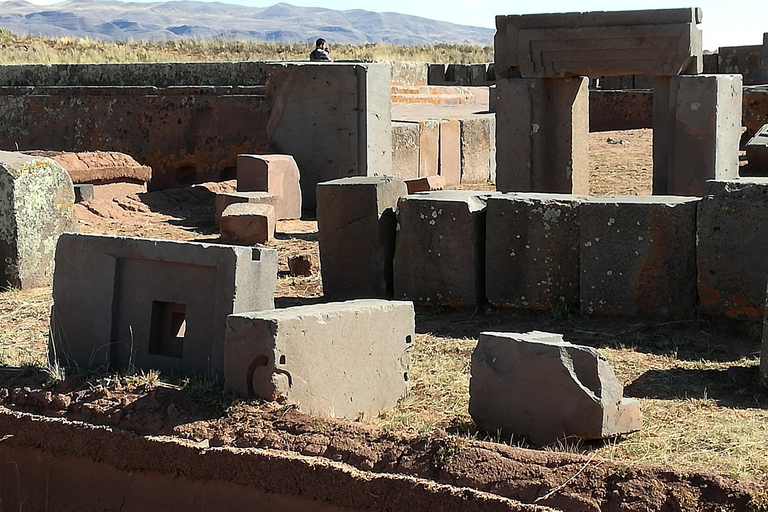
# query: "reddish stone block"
276, 174
248, 224
224, 199
450, 151
425, 184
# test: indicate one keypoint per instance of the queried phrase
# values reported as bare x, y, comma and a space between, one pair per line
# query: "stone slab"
732, 239
429, 147
543, 388
439, 256
638, 256
532, 251
425, 184
450, 151
276, 174
224, 199
436, 74
99, 167
36, 207
339, 359
247, 224
356, 222
476, 139
405, 150
130, 303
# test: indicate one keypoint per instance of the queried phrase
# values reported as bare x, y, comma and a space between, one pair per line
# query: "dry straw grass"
24, 326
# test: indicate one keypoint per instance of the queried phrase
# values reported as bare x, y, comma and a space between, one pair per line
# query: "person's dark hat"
320, 42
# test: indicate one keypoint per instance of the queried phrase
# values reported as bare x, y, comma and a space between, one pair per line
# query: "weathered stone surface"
339, 359
546, 389
356, 222
408, 72
247, 224
532, 251
450, 151
405, 150
742, 60
436, 74
542, 131
754, 108
153, 304
425, 184
224, 199
36, 206
655, 42
439, 248
732, 238
99, 167
276, 174
478, 74
476, 140
757, 152
429, 147
638, 256
620, 110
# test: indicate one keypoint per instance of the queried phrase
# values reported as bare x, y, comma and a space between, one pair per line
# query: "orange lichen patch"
708, 295
744, 309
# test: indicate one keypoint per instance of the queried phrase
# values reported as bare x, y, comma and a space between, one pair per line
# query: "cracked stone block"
339, 359
247, 224
638, 256
276, 174
356, 223
36, 206
538, 386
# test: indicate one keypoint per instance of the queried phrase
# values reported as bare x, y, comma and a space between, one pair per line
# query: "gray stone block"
356, 220
125, 303
339, 359
436, 74
757, 152
36, 206
732, 239
541, 387
457, 74
476, 139
638, 256
224, 199
532, 251
405, 150
439, 248
478, 74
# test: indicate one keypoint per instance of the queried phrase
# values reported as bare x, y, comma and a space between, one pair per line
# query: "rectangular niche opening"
167, 330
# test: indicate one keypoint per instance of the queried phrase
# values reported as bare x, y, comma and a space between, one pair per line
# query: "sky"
725, 23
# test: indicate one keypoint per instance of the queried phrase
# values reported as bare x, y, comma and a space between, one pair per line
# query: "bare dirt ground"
704, 444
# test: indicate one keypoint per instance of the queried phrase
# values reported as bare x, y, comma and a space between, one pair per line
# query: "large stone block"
248, 224
276, 174
429, 147
36, 206
655, 42
638, 256
339, 359
125, 303
542, 132
732, 239
532, 251
546, 389
476, 139
405, 150
436, 74
439, 248
356, 221
224, 199
450, 151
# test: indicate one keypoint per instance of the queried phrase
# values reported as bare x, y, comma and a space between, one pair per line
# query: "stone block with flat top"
405, 150
224, 199
276, 174
247, 224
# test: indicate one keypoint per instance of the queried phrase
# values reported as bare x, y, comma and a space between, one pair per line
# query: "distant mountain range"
111, 20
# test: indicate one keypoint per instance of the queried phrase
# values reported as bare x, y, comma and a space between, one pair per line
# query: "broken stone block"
356, 222
450, 151
538, 386
276, 174
123, 303
338, 359
425, 184
638, 256
247, 224
224, 199
732, 239
439, 248
99, 167
429, 147
36, 206
532, 251
405, 150
476, 140
757, 152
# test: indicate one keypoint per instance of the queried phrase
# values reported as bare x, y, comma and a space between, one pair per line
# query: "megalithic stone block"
546, 389
36, 206
439, 249
337, 359
248, 224
276, 174
429, 147
532, 251
638, 256
542, 131
356, 221
450, 151
224, 199
125, 303
405, 150
476, 138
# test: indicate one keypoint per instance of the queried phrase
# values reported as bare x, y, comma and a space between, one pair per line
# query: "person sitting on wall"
321, 51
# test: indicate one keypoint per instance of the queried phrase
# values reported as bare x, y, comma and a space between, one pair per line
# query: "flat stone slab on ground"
338, 359
99, 167
538, 386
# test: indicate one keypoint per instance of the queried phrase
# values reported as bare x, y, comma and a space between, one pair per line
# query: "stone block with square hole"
537, 385
338, 359
224, 199
276, 174
638, 256
247, 224
131, 303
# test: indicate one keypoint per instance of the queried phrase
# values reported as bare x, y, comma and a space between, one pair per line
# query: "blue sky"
726, 23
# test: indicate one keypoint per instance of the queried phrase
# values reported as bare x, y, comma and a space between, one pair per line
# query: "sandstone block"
429, 147
36, 206
450, 151
338, 359
439, 248
546, 389
276, 174
476, 140
638, 256
425, 184
405, 150
532, 250
224, 199
356, 221
99, 167
124, 303
247, 224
